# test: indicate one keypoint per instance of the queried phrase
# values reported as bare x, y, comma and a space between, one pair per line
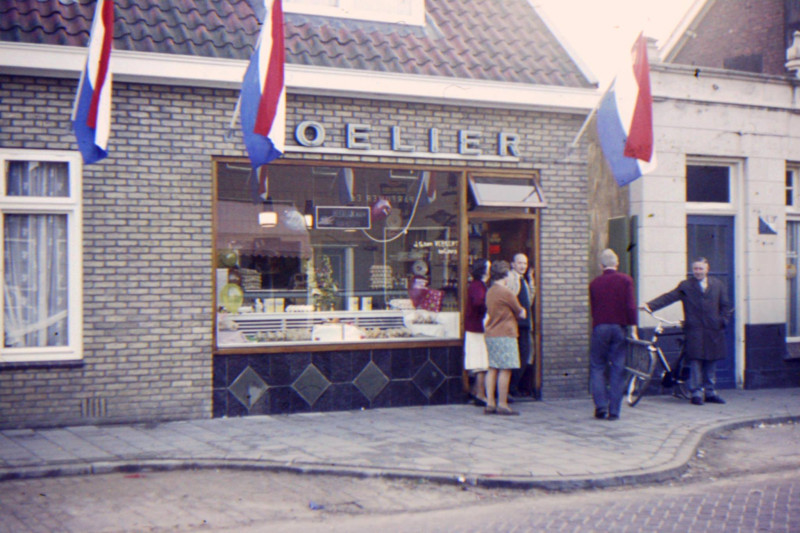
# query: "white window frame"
349, 9
792, 215
734, 180
71, 207
794, 210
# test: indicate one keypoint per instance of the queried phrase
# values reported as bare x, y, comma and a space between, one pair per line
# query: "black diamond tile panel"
311, 384
371, 381
248, 387
428, 379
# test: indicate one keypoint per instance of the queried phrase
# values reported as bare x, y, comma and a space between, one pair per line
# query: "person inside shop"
523, 278
613, 304
476, 357
503, 310
706, 312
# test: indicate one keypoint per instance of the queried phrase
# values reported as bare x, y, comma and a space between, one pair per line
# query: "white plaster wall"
748, 121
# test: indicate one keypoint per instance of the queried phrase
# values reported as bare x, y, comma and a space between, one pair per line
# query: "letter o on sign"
310, 133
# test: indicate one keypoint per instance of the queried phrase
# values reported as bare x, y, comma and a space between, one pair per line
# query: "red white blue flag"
263, 98
625, 120
91, 114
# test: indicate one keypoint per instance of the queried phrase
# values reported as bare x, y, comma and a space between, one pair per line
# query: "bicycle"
644, 357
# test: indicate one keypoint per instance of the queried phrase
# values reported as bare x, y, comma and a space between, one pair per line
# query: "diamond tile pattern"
311, 384
494, 40
428, 379
248, 387
377, 378
371, 381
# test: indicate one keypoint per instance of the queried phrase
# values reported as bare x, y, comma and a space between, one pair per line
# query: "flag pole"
580, 133
237, 107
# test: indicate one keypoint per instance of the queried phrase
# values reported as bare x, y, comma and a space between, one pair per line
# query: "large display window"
335, 254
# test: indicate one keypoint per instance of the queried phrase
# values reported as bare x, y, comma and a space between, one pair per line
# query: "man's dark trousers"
607, 354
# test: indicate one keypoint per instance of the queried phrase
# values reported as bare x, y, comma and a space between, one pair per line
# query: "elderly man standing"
706, 312
613, 303
524, 289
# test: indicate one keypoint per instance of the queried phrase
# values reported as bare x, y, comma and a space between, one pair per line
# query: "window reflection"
350, 255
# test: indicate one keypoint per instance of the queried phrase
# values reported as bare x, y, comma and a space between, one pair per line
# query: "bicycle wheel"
634, 389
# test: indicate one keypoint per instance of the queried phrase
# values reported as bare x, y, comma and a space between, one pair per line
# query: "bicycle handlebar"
663, 320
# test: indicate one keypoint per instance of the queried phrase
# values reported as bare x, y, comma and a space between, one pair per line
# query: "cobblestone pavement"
724, 489
553, 444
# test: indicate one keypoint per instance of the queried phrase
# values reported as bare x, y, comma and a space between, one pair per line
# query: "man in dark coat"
706, 311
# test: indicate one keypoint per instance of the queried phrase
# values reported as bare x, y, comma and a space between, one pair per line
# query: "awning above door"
497, 191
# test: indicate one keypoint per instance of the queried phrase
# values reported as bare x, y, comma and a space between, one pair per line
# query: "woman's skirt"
503, 352
476, 356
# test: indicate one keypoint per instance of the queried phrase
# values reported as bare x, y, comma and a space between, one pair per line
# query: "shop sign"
312, 134
342, 217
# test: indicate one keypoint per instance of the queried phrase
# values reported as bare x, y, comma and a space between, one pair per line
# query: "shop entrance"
501, 238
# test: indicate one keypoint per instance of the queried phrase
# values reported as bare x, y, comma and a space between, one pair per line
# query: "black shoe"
714, 399
613, 417
510, 399
696, 400
600, 413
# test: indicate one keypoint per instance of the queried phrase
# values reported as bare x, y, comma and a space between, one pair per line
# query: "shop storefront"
414, 145
340, 286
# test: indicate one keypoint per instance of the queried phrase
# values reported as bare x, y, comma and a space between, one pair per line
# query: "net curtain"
35, 248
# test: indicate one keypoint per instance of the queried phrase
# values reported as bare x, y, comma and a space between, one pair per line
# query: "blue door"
712, 237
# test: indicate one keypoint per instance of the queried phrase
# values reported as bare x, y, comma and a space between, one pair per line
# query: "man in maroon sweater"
613, 309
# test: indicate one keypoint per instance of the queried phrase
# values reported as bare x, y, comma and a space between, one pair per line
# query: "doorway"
712, 237
501, 238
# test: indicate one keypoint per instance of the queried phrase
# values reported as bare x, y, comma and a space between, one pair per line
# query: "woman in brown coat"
503, 311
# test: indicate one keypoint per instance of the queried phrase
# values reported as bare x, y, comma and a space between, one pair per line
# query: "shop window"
309, 253
394, 11
40, 203
709, 184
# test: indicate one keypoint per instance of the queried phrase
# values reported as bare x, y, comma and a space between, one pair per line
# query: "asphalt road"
744, 480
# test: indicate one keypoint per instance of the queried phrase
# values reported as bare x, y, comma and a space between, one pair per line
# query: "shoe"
714, 399
696, 400
505, 411
600, 413
478, 402
510, 399
613, 417
489, 410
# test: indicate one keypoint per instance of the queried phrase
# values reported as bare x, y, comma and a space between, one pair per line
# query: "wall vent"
94, 408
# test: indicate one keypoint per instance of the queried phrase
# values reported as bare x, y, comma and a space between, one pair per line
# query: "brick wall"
147, 239
734, 28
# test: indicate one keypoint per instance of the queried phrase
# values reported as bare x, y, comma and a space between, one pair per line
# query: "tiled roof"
494, 40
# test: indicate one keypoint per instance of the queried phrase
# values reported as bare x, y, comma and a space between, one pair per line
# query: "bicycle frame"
642, 359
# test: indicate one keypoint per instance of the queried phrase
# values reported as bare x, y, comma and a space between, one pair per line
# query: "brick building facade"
148, 250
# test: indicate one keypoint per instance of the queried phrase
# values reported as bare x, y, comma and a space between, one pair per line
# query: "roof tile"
495, 40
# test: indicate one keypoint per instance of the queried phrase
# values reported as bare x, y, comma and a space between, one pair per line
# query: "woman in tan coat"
503, 310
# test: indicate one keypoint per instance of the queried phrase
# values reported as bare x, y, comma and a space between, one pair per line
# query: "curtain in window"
35, 298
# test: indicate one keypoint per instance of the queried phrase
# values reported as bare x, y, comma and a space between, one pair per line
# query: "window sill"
40, 365
792, 351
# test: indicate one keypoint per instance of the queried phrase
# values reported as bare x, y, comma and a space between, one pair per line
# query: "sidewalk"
554, 444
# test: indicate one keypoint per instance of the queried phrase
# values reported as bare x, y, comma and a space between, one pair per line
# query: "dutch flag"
625, 120
263, 98
91, 113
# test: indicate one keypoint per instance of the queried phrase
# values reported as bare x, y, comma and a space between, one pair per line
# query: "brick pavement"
553, 444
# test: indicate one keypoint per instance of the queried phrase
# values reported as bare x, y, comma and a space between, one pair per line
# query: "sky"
602, 32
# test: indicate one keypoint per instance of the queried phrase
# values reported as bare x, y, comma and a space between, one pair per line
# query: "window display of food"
335, 254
